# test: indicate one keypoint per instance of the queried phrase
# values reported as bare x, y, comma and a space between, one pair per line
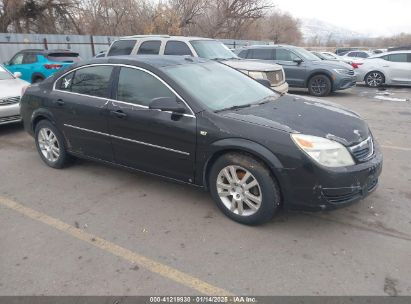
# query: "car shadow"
11, 128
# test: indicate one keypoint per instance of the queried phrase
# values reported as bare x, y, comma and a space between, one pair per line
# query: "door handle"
59, 102
118, 113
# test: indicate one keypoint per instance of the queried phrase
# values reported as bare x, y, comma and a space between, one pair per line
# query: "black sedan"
206, 124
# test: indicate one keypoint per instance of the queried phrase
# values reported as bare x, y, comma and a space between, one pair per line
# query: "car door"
295, 72
80, 107
399, 68
19, 64
150, 140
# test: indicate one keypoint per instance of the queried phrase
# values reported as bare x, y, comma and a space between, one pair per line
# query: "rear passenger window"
263, 54
93, 81
139, 87
149, 48
29, 58
177, 48
398, 57
121, 47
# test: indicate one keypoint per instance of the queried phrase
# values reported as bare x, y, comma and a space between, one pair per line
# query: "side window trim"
121, 65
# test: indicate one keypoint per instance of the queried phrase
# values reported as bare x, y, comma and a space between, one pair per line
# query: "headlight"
257, 75
326, 152
342, 71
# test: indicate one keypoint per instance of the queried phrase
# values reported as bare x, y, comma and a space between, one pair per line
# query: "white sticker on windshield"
66, 82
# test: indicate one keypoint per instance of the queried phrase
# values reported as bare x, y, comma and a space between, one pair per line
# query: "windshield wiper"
235, 107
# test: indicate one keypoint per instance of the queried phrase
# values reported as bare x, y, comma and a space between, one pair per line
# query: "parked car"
199, 47
36, 65
357, 54
303, 69
393, 68
10, 90
203, 123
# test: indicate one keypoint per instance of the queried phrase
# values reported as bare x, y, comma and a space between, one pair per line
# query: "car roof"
391, 53
156, 61
47, 52
179, 38
268, 46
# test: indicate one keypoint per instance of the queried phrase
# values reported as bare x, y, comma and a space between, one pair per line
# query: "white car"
393, 68
358, 54
10, 91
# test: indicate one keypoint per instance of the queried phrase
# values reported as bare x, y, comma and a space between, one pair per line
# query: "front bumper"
344, 83
282, 88
10, 113
313, 188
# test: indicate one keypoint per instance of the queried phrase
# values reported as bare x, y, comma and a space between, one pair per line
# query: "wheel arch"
320, 72
248, 147
39, 115
37, 75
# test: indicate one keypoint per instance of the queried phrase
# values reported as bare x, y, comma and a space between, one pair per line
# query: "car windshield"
219, 87
305, 54
329, 56
212, 49
4, 75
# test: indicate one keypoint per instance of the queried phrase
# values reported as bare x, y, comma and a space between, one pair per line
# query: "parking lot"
91, 229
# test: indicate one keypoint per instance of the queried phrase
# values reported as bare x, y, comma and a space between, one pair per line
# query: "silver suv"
203, 48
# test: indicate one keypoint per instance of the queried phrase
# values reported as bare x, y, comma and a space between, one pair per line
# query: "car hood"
252, 65
306, 115
11, 87
331, 64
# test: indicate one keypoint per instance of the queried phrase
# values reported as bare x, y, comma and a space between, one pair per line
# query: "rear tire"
50, 145
244, 189
374, 79
319, 85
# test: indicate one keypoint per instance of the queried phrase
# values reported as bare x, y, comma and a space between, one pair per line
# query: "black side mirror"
264, 82
298, 60
170, 104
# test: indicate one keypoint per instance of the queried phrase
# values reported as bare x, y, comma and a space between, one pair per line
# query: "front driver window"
18, 59
139, 87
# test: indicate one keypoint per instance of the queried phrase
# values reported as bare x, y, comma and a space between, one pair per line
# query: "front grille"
9, 100
364, 150
351, 73
10, 119
335, 199
275, 77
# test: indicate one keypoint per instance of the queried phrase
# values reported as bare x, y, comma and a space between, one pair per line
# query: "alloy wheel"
239, 190
319, 86
374, 79
49, 145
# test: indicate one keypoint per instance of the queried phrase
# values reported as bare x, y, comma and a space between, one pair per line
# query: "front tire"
319, 85
374, 79
50, 145
244, 189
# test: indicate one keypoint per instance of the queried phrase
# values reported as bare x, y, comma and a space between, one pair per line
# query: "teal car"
36, 65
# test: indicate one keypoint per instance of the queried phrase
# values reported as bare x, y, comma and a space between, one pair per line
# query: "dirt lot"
91, 229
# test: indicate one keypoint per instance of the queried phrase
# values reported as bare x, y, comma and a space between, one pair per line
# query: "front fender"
222, 146
320, 71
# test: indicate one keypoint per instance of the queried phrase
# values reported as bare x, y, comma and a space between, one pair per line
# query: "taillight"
52, 66
356, 65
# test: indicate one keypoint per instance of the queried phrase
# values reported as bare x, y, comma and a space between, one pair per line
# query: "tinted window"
18, 59
150, 47
263, 54
92, 81
139, 87
398, 57
121, 47
362, 55
64, 57
177, 48
29, 58
65, 82
243, 54
212, 49
286, 55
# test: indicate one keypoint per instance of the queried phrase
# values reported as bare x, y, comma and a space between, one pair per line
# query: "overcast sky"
373, 17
